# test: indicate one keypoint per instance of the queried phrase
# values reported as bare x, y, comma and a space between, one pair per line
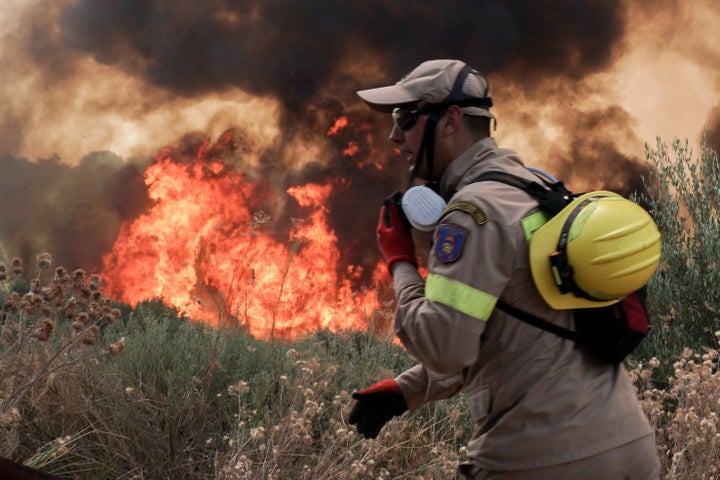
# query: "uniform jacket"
536, 399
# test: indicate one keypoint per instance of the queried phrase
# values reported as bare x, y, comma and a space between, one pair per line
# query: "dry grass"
50, 327
685, 414
187, 402
184, 401
311, 439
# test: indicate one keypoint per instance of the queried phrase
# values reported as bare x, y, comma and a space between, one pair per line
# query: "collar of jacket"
462, 164
481, 157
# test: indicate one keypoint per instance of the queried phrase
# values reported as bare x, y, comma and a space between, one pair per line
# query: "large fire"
202, 248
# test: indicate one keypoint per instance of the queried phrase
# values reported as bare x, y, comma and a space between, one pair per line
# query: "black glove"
395, 199
376, 405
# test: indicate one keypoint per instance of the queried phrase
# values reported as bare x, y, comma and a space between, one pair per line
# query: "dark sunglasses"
405, 118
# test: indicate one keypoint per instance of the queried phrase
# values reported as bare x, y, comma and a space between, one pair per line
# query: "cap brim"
384, 99
544, 242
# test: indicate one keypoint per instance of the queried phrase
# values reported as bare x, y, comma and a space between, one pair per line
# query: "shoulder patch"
450, 242
469, 208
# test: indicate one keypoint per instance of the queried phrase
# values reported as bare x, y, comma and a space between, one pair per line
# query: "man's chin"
417, 179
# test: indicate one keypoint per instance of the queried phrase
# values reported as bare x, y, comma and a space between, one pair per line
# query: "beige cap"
431, 81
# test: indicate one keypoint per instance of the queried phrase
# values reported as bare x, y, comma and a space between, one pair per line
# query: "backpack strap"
538, 322
552, 197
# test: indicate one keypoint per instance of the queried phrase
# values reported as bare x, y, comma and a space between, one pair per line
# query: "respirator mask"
422, 207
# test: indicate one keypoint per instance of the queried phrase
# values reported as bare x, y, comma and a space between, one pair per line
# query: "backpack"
610, 333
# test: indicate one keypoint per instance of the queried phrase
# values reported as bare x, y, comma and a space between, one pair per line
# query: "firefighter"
542, 406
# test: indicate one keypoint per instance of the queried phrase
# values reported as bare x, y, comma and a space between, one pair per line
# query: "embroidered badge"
450, 240
469, 208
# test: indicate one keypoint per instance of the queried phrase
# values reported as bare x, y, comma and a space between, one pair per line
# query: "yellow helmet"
597, 250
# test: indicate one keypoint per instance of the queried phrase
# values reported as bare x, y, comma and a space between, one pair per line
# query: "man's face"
409, 139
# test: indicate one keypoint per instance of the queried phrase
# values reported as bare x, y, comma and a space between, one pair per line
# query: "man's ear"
452, 121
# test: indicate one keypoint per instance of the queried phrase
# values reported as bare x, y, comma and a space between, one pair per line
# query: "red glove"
376, 405
393, 236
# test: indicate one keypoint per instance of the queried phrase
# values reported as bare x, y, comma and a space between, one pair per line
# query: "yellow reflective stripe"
533, 222
461, 297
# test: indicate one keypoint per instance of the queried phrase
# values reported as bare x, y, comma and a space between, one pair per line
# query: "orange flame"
201, 248
339, 124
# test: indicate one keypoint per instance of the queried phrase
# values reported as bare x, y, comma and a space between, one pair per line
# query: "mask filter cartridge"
422, 207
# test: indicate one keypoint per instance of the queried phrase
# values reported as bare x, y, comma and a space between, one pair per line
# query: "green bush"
681, 192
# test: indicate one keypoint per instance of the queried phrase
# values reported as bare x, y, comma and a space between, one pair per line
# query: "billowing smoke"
73, 212
289, 49
310, 57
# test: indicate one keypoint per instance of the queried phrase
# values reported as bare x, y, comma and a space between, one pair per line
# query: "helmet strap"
562, 271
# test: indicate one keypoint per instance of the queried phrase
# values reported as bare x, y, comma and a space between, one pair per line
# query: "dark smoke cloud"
291, 50
594, 158
74, 213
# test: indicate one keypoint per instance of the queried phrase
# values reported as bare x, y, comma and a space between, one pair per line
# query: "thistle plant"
48, 323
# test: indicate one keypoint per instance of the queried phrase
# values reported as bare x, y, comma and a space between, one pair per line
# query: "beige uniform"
537, 400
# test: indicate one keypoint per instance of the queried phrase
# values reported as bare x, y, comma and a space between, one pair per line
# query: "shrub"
681, 192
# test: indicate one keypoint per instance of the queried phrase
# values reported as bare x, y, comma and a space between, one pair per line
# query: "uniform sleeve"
420, 386
440, 321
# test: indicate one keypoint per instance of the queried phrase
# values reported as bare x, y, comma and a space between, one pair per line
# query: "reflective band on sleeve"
461, 297
533, 222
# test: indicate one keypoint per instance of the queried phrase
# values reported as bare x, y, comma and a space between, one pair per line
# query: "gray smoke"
289, 50
74, 213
